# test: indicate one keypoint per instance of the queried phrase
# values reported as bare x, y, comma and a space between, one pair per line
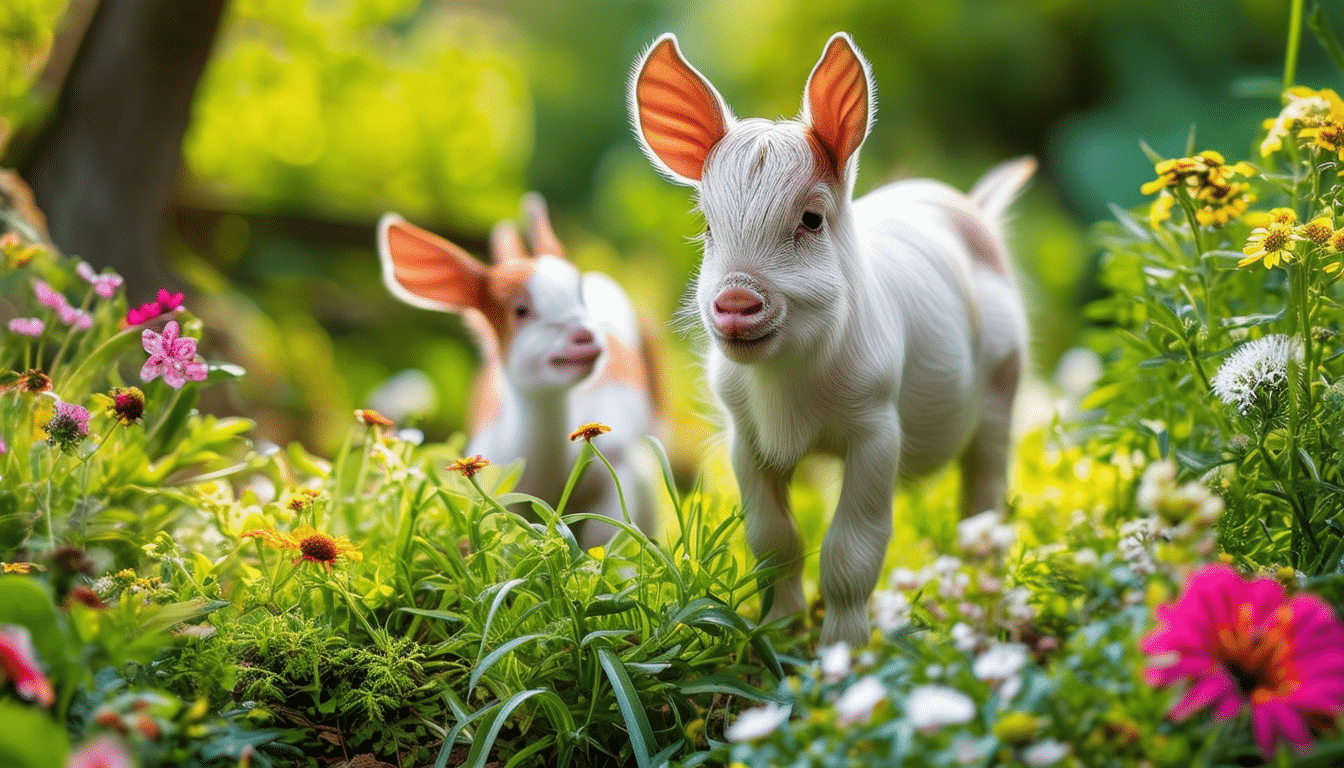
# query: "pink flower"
100, 752
172, 357
103, 285
166, 302
76, 317
1243, 644
4, 447
48, 297
27, 326
69, 426
18, 662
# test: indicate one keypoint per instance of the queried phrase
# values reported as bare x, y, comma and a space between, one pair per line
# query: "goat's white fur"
892, 336
540, 403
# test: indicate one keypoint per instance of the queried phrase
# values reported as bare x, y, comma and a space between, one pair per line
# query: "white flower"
1257, 369
1086, 557
835, 661
1017, 603
904, 579
891, 610
1000, 662
1042, 753
985, 534
856, 705
931, 707
946, 565
757, 722
1009, 690
964, 638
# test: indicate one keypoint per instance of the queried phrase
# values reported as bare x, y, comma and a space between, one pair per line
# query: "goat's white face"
767, 285
555, 342
775, 196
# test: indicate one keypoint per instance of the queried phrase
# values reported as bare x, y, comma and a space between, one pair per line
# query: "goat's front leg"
856, 541
772, 533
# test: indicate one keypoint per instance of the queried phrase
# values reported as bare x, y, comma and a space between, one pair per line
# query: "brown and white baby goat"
560, 349
887, 330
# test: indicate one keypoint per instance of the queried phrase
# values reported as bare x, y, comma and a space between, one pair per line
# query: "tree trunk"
104, 165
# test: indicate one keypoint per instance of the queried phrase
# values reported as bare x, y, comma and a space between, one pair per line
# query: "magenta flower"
103, 285
4, 447
1244, 644
69, 426
172, 357
27, 326
76, 317
18, 662
166, 302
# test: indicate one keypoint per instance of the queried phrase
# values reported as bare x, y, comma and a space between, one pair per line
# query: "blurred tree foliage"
26, 33
318, 115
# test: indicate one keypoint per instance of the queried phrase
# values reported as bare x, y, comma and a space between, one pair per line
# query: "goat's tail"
1001, 185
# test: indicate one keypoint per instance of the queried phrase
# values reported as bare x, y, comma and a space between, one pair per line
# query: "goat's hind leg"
984, 463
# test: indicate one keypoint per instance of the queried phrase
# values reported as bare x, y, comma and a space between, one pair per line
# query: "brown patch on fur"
486, 404
985, 247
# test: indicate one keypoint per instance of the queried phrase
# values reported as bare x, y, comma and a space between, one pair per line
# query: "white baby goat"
888, 331
560, 350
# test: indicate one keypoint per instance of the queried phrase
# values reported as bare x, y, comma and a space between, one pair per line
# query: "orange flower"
312, 545
469, 465
372, 418
589, 431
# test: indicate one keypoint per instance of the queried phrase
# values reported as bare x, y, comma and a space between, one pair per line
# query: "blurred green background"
313, 117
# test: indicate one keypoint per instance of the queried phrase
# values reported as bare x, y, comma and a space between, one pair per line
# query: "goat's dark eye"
812, 220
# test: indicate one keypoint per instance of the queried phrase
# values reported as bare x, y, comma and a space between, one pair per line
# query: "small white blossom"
985, 534
953, 586
857, 703
1000, 662
904, 579
835, 661
964, 638
1016, 603
1043, 753
1086, 557
931, 707
1256, 370
891, 610
757, 722
1009, 689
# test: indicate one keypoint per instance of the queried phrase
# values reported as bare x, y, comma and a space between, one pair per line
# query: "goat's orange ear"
838, 101
544, 240
677, 115
506, 244
424, 270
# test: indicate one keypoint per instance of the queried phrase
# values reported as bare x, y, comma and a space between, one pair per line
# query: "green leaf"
484, 665
491, 724
729, 685
1326, 36
32, 738
632, 708
456, 618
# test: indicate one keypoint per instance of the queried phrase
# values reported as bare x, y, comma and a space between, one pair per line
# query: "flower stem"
1294, 39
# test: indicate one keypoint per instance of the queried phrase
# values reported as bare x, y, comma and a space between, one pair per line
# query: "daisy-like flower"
103, 285
931, 707
124, 405
1244, 645
302, 500
1000, 662
312, 545
1255, 372
1273, 216
372, 418
1328, 136
69, 426
27, 326
1335, 248
1317, 231
18, 663
171, 356
589, 431
856, 705
469, 465
1301, 106
1272, 245
33, 380
1209, 181
1161, 208
757, 723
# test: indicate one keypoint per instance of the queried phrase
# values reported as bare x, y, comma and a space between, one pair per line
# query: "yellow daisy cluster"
1209, 181
1277, 233
1317, 116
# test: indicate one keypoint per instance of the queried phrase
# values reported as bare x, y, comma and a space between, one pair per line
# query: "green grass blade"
481, 667
632, 709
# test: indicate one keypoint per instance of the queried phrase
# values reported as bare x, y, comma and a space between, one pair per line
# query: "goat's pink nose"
737, 310
582, 336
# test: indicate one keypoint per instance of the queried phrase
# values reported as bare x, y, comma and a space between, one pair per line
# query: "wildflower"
1161, 209
931, 707
469, 465
27, 326
124, 405
1000, 662
1328, 136
33, 380
372, 418
891, 610
103, 285
1316, 231
312, 545
589, 431
166, 302
1208, 180
964, 638
1255, 372
835, 661
1242, 645
102, 751
985, 534
598, 553
1043, 753
757, 722
1158, 494
18, 663
302, 500
19, 568
48, 297
1303, 106
1273, 245
172, 357
1273, 216
69, 426
856, 704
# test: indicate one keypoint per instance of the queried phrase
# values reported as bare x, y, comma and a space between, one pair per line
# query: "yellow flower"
1161, 210
589, 431
1275, 216
302, 499
312, 545
469, 465
23, 568
1335, 245
597, 553
1328, 136
1273, 244
1209, 181
1317, 230
1302, 106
